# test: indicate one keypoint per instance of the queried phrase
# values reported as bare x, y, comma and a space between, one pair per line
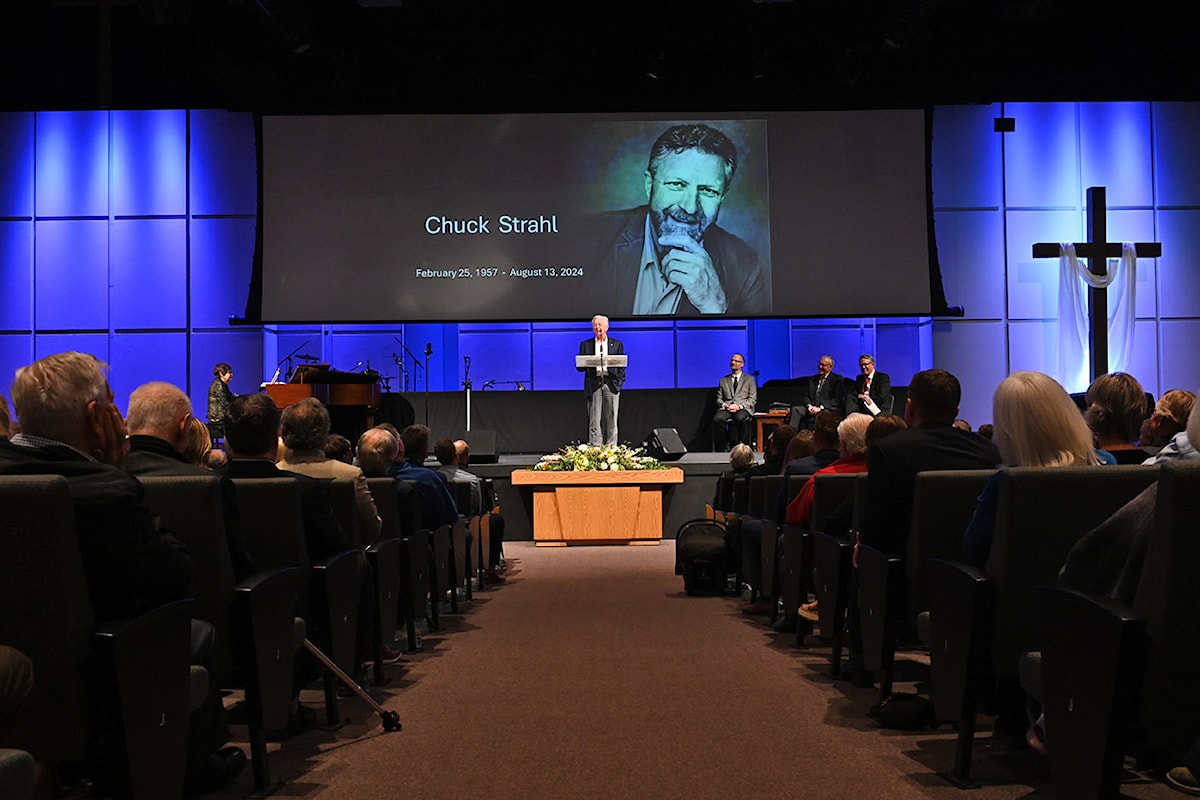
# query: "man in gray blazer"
736, 395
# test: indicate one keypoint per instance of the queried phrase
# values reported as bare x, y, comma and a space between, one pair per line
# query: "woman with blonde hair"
199, 442
1037, 424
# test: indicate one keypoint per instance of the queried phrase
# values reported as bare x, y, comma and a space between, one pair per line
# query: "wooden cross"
1096, 249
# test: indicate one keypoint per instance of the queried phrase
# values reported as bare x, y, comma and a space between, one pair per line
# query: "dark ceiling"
495, 56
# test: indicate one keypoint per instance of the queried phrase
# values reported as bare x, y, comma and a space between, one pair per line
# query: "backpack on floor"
702, 556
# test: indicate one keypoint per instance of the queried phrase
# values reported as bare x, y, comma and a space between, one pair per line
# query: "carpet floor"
590, 674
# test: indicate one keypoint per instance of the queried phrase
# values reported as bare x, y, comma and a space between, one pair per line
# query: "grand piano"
352, 398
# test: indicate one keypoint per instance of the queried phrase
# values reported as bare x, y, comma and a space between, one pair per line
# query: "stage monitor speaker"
665, 444
483, 445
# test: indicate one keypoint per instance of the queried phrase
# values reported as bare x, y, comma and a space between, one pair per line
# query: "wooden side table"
766, 421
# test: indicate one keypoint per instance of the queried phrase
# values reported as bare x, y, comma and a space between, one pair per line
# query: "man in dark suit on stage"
602, 384
736, 395
872, 390
669, 256
824, 390
930, 442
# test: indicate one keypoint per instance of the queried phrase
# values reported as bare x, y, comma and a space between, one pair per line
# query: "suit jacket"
894, 462
746, 394
315, 464
149, 455
616, 375
131, 566
622, 240
831, 396
881, 394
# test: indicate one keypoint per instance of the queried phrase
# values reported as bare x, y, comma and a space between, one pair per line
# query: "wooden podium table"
762, 420
597, 507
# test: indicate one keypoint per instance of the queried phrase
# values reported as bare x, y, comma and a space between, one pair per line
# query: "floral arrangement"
597, 457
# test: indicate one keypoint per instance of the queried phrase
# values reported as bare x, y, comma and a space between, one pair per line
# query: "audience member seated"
338, 448
737, 394
160, 429
824, 390
1116, 406
71, 427
852, 447
454, 460
1037, 425
5, 419
741, 459
930, 442
825, 452
437, 506
305, 429
198, 443
962, 425
986, 430
16, 692
777, 445
1169, 420
872, 390
801, 446
215, 459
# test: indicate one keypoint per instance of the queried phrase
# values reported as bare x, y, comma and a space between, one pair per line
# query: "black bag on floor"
702, 556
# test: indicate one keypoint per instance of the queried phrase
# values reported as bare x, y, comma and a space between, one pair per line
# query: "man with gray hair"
305, 428
670, 256
70, 426
602, 384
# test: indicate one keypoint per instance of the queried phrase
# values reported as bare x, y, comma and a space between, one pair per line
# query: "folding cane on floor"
390, 719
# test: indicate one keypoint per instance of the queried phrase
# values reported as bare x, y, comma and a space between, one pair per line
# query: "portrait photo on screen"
528, 217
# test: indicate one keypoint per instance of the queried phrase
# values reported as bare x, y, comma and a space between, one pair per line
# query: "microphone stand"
428, 353
288, 359
467, 387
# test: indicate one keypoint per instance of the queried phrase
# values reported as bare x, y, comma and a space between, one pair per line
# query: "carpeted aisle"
591, 674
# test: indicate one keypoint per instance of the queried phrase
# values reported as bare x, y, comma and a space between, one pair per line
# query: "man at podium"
602, 381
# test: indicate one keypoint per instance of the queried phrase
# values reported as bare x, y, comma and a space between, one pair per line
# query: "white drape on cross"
1073, 342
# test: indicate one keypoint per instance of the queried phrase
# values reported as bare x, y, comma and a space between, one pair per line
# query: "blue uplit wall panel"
1177, 170
224, 169
651, 352
1137, 226
139, 358
554, 349
72, 164
903, 347
843, 342
222, 260
1180, 367
971, 253
503, 356
1114, 151
47, 344
16, 164
703, 355
959, 346
16, 276
16, 350
1033, 282
293, 343
1178, 275
149, 163
149, 273
966, 152
358, 350
1144, 362
1040, 157
71, 275
241, 348
770, 345
1033, 345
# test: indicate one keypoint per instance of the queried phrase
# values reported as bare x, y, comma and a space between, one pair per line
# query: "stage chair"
255, 619
1042, 512
83, 674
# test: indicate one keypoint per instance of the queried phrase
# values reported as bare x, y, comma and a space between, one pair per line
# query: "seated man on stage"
736, 395
872, 390
824, 390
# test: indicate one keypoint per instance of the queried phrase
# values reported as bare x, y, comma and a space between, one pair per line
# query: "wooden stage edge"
597, 507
